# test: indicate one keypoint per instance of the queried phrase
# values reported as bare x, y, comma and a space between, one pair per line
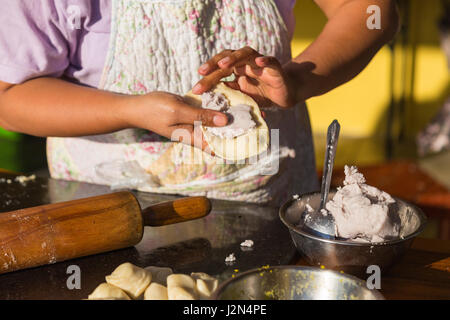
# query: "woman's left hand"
261, 77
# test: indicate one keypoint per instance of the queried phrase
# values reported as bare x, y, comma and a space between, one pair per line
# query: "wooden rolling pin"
62, 231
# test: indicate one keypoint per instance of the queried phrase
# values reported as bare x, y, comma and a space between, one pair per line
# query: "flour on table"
247, 243
230, 258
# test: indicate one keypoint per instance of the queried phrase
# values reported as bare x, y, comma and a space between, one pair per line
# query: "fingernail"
224, 60
203, 68
262, 59
220, 121
197, 87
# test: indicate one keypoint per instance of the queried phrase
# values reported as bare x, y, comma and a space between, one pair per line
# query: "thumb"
207, 117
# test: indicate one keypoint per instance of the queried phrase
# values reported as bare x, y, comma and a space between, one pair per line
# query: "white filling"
363, 211
240, 119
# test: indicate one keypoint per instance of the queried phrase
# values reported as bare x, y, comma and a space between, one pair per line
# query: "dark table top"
194, 246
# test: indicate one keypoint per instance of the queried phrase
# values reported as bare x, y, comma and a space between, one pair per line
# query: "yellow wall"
421, 78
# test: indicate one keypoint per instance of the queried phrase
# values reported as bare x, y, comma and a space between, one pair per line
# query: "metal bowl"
349, 256
294, 283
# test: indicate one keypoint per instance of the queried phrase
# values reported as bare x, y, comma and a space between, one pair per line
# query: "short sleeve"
32, 44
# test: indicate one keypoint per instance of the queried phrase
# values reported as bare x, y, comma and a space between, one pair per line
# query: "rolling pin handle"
176, 211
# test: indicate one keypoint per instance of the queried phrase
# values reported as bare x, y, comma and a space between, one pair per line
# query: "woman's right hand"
170, 116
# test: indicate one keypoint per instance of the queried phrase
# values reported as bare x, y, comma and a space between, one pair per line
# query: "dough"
106, 291
205, 284
249, 144
363, 212
194, 165
179, 293
130, 278
156, 291
181, 287
159, 274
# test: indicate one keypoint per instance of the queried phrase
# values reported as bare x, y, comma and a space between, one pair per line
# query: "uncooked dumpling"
156, 291
131, 279
106, 291
159, 274
248, 144
205, 284
181, 287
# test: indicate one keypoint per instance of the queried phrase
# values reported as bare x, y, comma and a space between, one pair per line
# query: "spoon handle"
330, 153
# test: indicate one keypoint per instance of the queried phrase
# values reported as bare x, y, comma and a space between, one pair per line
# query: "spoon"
323, 223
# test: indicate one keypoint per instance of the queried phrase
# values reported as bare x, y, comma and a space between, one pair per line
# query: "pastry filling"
363, 212
240, 119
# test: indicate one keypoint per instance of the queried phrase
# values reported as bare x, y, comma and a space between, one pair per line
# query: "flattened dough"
106, 291
181, 287
205, 284
250, 144
130, 278
156, 291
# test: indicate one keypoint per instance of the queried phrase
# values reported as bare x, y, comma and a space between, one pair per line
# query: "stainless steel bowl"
350, 257
294, 283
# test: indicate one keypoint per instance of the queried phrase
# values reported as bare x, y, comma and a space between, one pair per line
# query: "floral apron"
159, 45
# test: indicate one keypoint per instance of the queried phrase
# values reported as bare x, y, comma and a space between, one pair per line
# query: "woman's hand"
170, 116
261, 77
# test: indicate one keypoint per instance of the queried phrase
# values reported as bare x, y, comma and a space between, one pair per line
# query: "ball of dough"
159, 274
155, 291
205, 284
106, 291
181, 287
130, 278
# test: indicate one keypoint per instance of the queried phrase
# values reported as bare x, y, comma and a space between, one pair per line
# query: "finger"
239, 57
249, 71
233, 59
211, 65
189, 115
268, 61
232, 84
209, 81
270, 64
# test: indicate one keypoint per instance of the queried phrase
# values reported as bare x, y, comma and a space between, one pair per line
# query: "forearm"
344, 47
54, 107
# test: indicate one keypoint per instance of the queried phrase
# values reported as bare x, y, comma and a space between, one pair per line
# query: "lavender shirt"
37, 39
